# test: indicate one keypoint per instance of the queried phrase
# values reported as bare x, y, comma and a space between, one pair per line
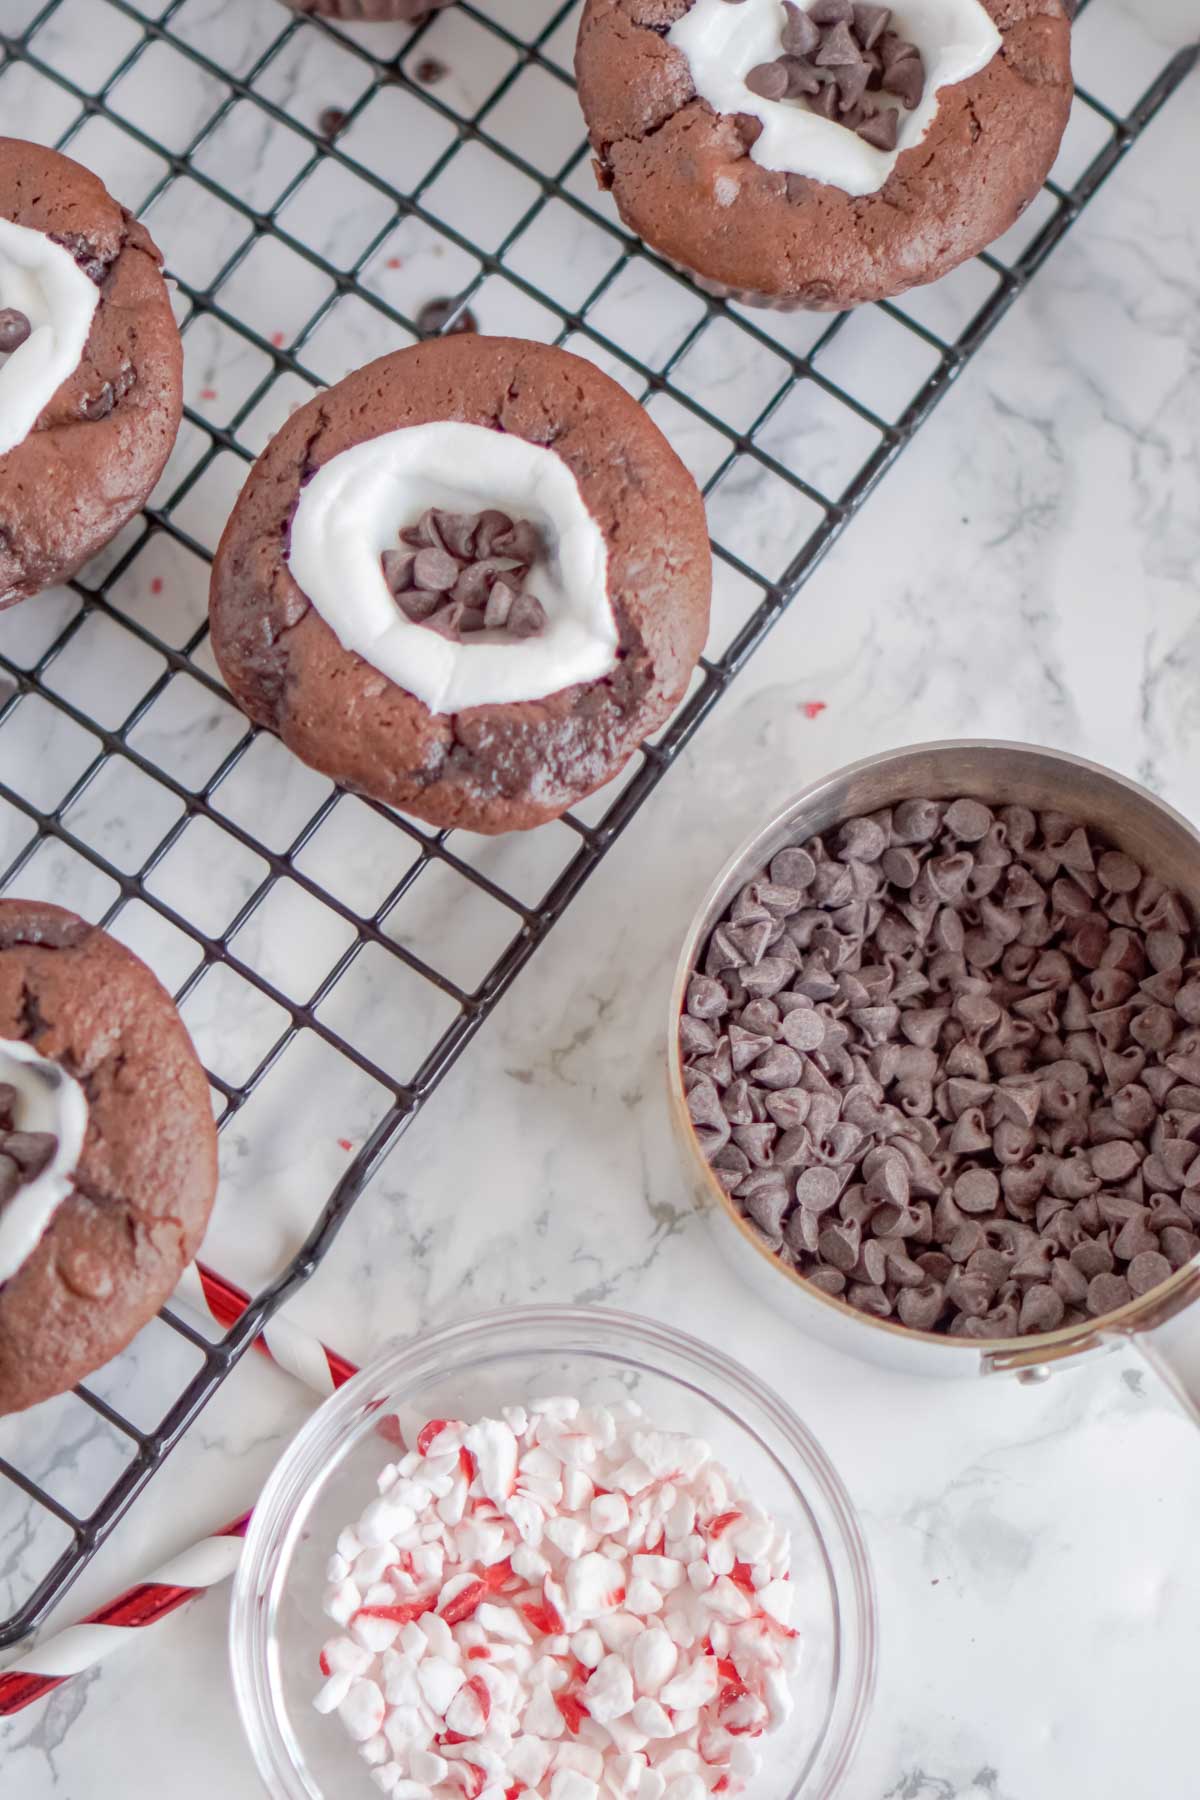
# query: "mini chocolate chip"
15, 329
706, 998
32, 1151
837, 47
768, 80
870, 23
767, 1203
1092, 1258
829, 1281
906, 79
434, 570
801, 32
803, 1029
1187, 1003
967, 820
977, 1191
1106, 1293
921, 1307
398, 569
1042, 1309
1118, 872
817, 1189
1177, 1246
1147, 1270
527, 617
331, 121
1115, 1161
867, 1299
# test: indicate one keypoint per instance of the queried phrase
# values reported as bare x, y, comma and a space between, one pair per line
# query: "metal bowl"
1000, 774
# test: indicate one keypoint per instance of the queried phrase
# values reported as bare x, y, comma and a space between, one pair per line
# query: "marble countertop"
1030, 569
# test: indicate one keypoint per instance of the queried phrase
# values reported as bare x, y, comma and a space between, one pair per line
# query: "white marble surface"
1030, 569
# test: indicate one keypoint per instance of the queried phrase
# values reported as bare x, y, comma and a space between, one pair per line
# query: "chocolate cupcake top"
352, 587
90, 367
108, 1154
752, 142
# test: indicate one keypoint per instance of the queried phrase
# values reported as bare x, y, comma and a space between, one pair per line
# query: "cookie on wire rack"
467, 581
91, 369
108, 1152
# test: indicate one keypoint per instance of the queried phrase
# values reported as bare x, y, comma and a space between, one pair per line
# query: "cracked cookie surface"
100, 445
493, 768
684, 180
147, 1174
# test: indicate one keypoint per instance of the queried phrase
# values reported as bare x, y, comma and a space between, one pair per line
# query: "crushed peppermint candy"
563, 1602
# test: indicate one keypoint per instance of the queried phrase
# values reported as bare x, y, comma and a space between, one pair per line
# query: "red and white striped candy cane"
205, 1564
110, 1627
295, 1350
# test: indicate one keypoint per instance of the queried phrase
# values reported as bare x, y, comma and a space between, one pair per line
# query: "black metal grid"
791, 359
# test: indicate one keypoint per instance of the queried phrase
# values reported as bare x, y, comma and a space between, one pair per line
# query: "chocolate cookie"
685, 177
369, 12
87, 280
139, 1196
488, 767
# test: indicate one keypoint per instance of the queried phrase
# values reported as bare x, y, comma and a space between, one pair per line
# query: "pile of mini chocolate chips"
23, 1154
838, 57
462, 573
948, 1065
14, 329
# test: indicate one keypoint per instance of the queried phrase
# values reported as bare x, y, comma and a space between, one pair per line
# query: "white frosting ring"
723, 42
357, 503
41, 279
48, 1099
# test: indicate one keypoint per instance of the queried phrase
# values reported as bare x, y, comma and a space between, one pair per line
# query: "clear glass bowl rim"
632, 1338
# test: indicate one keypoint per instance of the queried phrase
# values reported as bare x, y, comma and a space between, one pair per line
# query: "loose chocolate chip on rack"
331, 121
430, 70
947, 1062
14, 330
434, 317
463, 573
838, 59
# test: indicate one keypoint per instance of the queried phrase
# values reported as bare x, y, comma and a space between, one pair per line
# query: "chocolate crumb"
432, 320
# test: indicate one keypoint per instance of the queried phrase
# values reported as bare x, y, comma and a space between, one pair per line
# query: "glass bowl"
328, 1472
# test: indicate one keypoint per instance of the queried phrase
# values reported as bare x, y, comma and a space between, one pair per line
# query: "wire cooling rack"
313, 190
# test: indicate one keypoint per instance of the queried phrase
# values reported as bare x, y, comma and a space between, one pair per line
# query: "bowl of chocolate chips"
935, 1060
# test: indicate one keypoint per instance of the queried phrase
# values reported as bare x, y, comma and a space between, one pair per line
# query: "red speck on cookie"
345, 1144
156, 586
277, 339
812, 709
